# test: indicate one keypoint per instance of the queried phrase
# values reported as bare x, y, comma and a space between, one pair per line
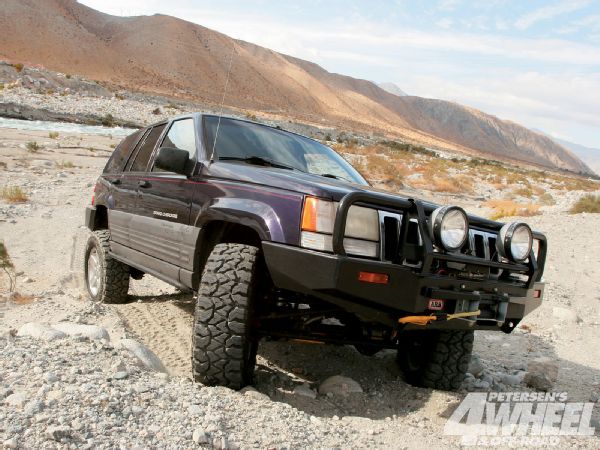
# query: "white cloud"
549, 12
445, 22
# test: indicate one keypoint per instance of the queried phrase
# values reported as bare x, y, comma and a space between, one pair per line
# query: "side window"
143, 155
181, 135
117, 160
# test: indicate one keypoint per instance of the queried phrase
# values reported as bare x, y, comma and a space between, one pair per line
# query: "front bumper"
334, 278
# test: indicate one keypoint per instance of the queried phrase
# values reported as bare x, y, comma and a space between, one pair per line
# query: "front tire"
223, 345
435, 359
106, 279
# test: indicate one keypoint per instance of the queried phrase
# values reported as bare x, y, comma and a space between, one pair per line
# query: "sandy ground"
45, 234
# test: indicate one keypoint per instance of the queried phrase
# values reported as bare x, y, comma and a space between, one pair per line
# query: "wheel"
223, 345
106, 279
435, 359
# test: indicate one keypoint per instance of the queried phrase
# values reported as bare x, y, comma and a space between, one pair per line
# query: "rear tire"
435, 359
223, 345
106, 279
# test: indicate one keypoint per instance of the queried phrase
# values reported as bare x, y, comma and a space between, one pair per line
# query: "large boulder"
145, 356
339, 385
541, 374
92, 332
40, 331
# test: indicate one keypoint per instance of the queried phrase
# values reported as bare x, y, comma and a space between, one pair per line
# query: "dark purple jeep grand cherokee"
280, 237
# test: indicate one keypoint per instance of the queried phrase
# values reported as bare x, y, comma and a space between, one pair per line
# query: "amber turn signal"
372, 277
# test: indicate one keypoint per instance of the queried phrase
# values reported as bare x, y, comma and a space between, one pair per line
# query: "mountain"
589, 155
169, 56
392, 88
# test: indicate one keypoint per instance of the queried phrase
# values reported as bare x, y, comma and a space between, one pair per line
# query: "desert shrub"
119, 96
68, 76
53, 135
3, 165
33, 147
13, 194
379, 167
404, 147
172, 105
65, 165
18, 67
328, 137
454, 185
508, 208
1, 86
524, 191
108, 120
5, 261
547, 199
588, 204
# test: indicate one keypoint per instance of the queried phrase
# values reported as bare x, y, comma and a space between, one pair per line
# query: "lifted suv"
280, 237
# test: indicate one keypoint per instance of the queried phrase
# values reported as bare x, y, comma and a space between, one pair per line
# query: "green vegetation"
33, 147
53, 134
108, 120
403, 147
588, 204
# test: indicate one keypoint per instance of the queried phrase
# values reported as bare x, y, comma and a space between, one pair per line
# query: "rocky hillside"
168, 56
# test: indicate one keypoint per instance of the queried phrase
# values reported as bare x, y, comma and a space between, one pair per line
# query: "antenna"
212, 153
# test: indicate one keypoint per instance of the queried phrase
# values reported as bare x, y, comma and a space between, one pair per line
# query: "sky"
533, 62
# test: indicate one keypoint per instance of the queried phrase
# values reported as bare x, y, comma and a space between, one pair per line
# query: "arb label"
436, 304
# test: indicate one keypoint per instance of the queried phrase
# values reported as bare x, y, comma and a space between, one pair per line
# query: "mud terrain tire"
435, 359
223, 348
111, 280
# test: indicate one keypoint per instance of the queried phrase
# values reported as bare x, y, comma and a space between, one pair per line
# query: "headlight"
362, 228
449, 227
515, 241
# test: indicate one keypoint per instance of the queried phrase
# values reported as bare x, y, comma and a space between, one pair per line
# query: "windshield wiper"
337, 177
258, 160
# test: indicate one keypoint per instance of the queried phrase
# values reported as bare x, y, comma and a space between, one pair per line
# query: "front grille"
482, 244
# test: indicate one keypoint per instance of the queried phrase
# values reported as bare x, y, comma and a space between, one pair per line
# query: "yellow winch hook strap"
424, 320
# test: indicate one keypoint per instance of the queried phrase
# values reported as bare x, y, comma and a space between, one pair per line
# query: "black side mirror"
174, 160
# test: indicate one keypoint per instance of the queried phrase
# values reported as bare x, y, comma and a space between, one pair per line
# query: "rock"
58, 432
33, 407
475, 366
92, 332
249, 391
511, 380
40, 331
339, 385
304, 390
120, 375
27, 280
11, 443
194, 410
146, 357
539, 381
200, 436
594, 397
17, 399
481, 384
49, 377
545, 366
565, 315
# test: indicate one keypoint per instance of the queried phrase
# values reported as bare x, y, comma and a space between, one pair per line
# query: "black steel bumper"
503, 302
334, 278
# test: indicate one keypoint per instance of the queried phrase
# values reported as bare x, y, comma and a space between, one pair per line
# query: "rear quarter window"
117, 160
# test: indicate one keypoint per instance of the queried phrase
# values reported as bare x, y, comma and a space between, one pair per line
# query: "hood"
289, 180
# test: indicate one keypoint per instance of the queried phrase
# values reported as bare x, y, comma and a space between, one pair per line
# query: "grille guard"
533, 269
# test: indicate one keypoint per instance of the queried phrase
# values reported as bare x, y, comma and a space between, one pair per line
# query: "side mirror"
174, 160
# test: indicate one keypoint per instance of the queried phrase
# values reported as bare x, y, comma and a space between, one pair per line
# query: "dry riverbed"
87, 392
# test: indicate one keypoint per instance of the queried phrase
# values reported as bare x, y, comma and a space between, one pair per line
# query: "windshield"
259, 144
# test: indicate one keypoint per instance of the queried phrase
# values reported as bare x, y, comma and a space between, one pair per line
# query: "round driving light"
449, 227
515, 241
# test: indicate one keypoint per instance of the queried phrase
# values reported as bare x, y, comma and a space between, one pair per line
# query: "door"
164, 201
127, 187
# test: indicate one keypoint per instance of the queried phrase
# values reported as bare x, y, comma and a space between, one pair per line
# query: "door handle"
144, 184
